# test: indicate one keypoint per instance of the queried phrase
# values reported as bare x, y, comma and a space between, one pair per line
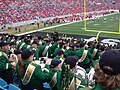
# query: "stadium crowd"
56, 60
12, 11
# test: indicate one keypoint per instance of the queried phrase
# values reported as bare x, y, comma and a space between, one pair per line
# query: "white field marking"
48, 28
89, 22
58, 25
96, 24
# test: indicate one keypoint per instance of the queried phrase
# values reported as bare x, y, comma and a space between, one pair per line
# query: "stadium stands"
12, 11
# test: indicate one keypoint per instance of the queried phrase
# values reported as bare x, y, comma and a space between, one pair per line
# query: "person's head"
55, 64
61, 44
110, 59
82, 44
27, 54
4, 45
13, 45
71, 60
35, 44
90, 43
18, 53
107, 72
60, 53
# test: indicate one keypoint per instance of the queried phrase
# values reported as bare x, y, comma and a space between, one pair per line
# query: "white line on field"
57, 26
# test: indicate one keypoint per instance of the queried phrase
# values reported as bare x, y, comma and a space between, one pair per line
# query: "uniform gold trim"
21, 45
40, 43
45, 50
6, 66
28, 74
0, 53
83, 56
53, 80
94, 52
4, 54
72, 85
28, 46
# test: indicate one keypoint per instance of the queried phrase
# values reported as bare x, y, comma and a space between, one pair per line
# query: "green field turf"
111, 25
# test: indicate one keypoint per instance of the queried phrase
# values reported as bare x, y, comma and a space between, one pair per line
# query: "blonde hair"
105, 80
21, 66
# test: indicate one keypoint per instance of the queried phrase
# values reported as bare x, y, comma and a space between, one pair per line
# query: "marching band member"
31, 74
5, 64
54, 78
107, 71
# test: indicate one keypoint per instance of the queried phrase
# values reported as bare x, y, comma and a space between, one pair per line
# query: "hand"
13, 64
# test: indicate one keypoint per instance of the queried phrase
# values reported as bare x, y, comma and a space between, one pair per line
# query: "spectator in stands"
29, 9
107, 72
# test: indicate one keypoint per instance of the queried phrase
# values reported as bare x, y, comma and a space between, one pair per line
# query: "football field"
107, 25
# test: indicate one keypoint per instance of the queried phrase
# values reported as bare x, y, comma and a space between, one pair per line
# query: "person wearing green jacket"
54, 78
5, 65
30, 73
59, 56
61, 47
35, 48
85, 56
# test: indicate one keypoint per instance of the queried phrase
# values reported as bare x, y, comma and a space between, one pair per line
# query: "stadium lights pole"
85, 15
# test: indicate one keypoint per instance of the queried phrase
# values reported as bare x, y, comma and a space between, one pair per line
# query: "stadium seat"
3, 83
13, 87
46, 86
1, 88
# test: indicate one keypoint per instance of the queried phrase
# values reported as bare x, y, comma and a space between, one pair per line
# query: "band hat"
71, 60
55, 63
59, 52
35, 42
110, 59
26, 53
3, 43
12, 43
17, 51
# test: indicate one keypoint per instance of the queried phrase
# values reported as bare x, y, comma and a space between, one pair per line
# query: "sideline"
60, 25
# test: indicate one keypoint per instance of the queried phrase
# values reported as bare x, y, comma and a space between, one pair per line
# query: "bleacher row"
21, 10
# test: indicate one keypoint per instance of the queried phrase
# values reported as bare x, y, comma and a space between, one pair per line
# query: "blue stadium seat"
13, 87
1, 88
46, 86
3, 83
